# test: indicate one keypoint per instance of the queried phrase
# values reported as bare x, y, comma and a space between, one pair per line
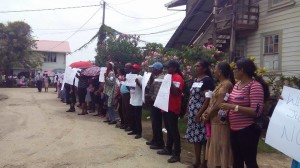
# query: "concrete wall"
59, 64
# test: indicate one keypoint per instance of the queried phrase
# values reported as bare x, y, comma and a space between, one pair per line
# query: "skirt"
219, 149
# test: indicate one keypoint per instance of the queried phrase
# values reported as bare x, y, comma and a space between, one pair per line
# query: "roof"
175, 3
52, 46
191, 24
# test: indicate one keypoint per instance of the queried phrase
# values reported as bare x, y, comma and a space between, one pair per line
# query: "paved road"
36, 132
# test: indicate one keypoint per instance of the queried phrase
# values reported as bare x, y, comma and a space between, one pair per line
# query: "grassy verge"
182, 125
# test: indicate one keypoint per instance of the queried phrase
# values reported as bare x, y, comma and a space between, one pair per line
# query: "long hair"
225, 68
250, 69
205, 64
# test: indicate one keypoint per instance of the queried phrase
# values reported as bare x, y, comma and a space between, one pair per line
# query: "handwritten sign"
162, 99
284, 128
101, 75
145, 81
130, 80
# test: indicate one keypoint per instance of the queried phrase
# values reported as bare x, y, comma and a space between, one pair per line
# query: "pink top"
251, 95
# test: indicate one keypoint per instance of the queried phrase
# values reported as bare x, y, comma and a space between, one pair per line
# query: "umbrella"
81, 64
49, 72
92, 71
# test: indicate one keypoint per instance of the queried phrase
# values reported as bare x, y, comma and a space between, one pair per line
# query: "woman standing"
218, 150
196, 133
246, 103
109, 91
46, 82
171, 117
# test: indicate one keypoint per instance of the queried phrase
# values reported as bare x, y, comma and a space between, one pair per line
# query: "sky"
61, 24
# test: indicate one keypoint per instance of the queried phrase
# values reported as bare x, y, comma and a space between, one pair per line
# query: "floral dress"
196, 132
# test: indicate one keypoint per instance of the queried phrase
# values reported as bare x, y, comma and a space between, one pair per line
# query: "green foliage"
16, 43
117, 47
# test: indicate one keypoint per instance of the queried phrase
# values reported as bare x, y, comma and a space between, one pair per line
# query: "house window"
271, 50
271, 44
50, 57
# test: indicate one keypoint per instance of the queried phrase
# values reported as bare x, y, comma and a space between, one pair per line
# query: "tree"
16, 43
117, 47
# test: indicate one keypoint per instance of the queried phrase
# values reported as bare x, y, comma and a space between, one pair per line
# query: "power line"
75, 31
139, 17
49, 9
84, 30
156, 26
162, 31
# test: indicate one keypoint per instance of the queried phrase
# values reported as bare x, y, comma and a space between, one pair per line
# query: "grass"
182, 125
265, 148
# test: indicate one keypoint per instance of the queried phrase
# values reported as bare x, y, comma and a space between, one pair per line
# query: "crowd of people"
221, 116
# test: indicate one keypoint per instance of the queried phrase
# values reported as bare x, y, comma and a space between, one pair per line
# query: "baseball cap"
136, 66
157, 66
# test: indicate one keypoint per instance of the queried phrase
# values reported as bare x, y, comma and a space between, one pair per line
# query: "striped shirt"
251, 95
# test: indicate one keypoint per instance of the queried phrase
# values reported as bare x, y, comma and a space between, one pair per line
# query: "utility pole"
103, 16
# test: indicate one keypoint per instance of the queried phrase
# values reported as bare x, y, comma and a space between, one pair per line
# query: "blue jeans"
111, 113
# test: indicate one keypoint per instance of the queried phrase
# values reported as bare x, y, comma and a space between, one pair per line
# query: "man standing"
39, 82
155, 81
136, 102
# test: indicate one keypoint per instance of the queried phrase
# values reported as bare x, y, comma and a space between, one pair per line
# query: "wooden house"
266, 29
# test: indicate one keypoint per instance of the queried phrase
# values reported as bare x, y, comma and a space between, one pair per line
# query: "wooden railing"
246, 17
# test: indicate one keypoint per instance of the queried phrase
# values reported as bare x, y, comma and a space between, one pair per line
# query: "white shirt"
136, 94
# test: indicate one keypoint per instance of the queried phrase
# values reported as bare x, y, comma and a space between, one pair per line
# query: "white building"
55, 54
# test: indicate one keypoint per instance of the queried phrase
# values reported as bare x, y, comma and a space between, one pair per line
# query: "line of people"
221, 120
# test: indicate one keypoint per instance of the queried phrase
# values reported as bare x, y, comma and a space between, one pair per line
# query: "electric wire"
49, 9
75, 31
133, 17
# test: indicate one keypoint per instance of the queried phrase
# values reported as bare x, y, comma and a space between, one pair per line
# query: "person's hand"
226, 106
204, 116
198, 118
280, 97
136, 80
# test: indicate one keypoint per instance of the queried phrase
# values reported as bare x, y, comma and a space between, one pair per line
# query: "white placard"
177, 84
69, 76
130, 80
284, 127
197, 84
158, 80
101, 75
145, 81
76, 82
162, 99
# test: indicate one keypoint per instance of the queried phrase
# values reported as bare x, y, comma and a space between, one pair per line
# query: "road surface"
35, 131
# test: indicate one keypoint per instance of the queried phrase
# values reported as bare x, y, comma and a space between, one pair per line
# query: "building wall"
59, 64
286, 22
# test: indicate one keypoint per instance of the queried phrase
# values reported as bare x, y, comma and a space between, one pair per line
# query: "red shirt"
175, 100
249, 96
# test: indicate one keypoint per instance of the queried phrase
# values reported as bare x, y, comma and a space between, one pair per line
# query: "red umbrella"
92, 71
49, 72
81, 64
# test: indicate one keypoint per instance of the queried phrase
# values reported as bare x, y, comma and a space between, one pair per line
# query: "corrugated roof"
52, 46
191, 24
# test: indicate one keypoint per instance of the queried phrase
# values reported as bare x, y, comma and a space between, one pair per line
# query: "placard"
197, 84
162, 99
145, 81
284, 127
130, 80
102, 73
